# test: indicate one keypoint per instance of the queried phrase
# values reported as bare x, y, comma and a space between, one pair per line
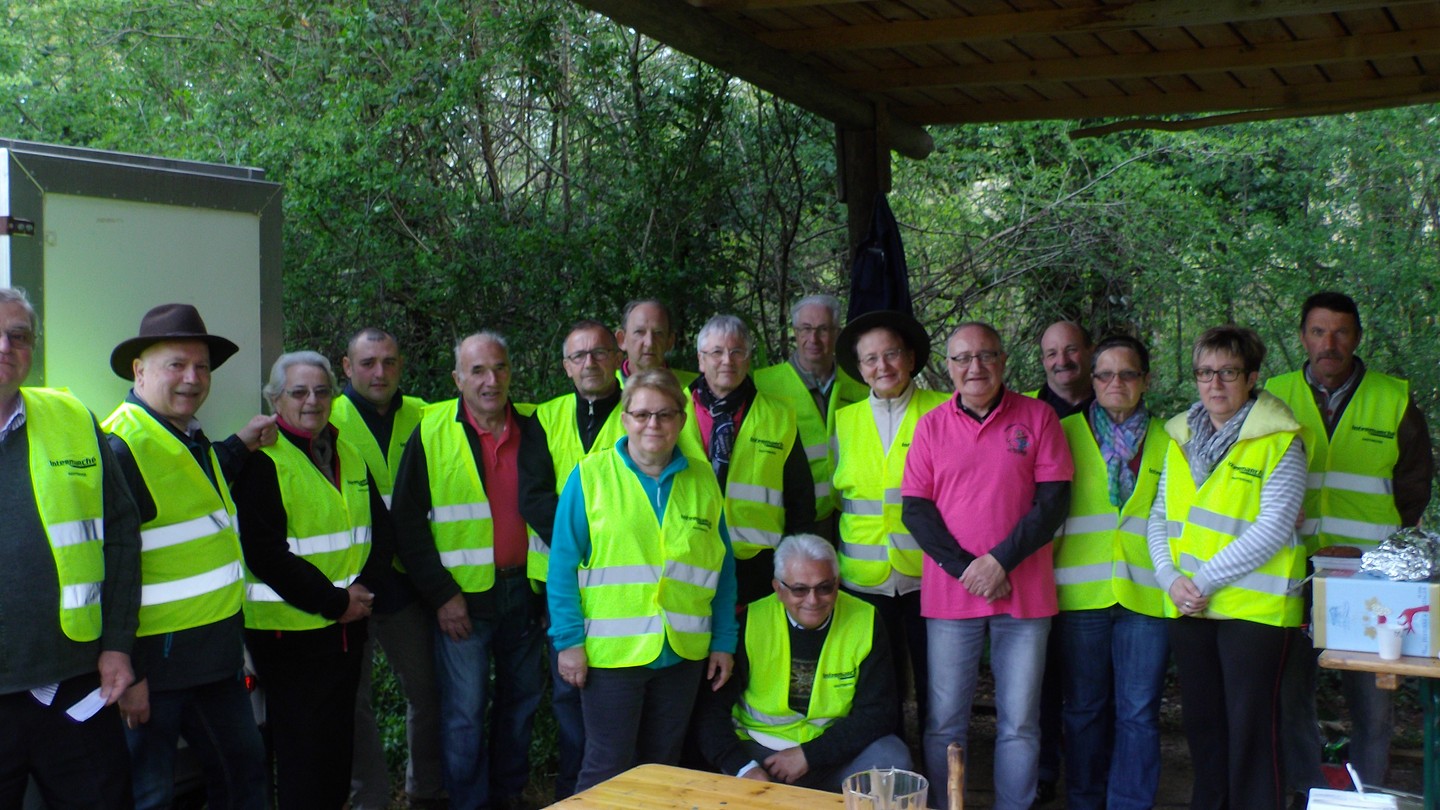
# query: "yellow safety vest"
783, 382
460, 521
873, 538
648, 580
67, 480
191, 568
755, 483
326, 527
383, 464
557, 417
1350, 494
1102, 555
763, 713
1202, 522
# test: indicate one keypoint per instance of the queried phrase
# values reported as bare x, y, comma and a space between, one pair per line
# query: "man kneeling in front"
812, 696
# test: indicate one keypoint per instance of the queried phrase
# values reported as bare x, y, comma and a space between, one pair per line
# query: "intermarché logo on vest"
1247, 472
76, 463
1374, 434
700, 523
768, 445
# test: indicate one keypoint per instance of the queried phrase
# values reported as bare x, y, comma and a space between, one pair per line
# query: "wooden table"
652, 787
1387, 676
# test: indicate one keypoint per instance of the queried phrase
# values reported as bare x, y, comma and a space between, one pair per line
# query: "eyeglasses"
986, 358
806, 330
717, 355
664, 417
20, 338
1127, 377
1225, 374
302, 394
801, 591
598, 355
890, 357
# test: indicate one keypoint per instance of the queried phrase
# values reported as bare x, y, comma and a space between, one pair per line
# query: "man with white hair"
811, 699
752, 443
69, 588
812, 384
464, 544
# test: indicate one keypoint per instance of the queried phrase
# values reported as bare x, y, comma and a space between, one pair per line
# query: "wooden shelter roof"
896, 66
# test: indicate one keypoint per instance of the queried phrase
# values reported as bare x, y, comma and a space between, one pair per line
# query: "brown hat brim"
909, 330
122, 360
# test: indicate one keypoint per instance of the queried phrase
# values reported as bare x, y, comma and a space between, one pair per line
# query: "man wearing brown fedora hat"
69, 588
189, 647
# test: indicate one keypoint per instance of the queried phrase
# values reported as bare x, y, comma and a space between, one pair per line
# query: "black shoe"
1044, 792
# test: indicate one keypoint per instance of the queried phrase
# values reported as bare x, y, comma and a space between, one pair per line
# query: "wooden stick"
955, 781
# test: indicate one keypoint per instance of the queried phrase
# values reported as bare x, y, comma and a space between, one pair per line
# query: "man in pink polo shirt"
987, 483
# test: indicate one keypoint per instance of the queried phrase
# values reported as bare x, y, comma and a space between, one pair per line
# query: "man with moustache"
565, 430
377, 418
816, 389
1371, 466
464, 543
69, 587
1065, 355
646, 336
189, 649
987, 484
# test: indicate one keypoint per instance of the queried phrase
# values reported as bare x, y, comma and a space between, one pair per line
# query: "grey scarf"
1209, 444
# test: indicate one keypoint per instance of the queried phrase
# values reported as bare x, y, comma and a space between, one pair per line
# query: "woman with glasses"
1110, 630
1222, 539
641, 585
314, 531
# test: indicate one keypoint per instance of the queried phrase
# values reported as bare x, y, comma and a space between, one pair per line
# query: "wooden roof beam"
1149, 65
1136, 15
1350, 95
696, 33
1306, 111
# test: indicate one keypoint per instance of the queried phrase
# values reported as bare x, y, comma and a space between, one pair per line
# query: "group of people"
742, 570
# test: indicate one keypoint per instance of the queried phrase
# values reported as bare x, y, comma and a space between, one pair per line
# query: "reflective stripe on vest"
1229, 501
190, 569
67, 480
783, 382
763, 713
648, 582
328, 528
1102, 556
1349, 496
754, 485
873, 537
460, 521
562, 436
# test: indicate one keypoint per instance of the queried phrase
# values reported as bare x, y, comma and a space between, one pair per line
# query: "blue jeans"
219, 726
569, 727
476, 775
1017, 659
1113, 670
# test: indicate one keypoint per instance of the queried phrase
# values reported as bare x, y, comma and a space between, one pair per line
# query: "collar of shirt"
1343, 389
990, 411
805, 629
814, 382
678, 461
367, 408
16, 419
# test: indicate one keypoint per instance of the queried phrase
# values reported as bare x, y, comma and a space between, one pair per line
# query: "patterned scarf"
1118, 446
1208, 444
723, 412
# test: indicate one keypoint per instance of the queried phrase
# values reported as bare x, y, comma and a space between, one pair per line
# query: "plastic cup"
885, 789
1389, 639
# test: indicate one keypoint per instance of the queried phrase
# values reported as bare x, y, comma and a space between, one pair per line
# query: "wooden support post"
863, 171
